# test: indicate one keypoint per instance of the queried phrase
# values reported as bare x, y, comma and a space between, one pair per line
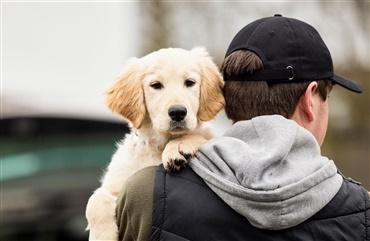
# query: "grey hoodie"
270, 170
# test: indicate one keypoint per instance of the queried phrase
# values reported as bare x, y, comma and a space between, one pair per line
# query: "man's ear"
307, 101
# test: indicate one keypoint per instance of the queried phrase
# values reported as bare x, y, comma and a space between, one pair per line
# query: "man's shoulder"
135, 205
147, 173
137, 193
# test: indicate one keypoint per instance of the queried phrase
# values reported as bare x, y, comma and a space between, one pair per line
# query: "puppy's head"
172, 88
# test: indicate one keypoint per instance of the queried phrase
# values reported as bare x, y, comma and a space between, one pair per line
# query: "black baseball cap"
291, 51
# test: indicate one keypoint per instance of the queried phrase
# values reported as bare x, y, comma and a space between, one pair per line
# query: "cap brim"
347, 83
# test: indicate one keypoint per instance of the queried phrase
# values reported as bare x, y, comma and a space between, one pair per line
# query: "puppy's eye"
156, 85
189, 83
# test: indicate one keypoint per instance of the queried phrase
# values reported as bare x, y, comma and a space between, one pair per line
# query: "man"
265, 178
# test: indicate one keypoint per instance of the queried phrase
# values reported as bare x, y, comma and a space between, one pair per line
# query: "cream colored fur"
143, 94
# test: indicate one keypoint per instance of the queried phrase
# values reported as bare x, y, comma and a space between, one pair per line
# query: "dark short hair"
248, 99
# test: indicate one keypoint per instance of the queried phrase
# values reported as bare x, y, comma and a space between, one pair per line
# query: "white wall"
58, 58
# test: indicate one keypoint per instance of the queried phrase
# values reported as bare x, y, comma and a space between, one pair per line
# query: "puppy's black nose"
177, 112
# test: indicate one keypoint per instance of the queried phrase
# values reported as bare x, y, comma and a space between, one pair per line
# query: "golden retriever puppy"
167, 96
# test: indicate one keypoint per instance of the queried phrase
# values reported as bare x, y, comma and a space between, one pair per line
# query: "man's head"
281, 66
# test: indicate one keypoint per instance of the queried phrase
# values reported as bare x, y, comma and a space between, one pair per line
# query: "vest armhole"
159, 203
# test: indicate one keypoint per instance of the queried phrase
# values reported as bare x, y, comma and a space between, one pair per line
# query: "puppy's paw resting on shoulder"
173, 158
179, 151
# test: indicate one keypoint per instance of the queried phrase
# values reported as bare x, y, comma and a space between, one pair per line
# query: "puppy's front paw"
172, 157
177, 152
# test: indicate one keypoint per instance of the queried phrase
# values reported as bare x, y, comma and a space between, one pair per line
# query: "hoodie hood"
270, 170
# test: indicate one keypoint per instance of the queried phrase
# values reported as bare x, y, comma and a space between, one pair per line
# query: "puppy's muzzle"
177, 113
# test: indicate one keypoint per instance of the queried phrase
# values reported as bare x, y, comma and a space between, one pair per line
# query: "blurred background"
58, 58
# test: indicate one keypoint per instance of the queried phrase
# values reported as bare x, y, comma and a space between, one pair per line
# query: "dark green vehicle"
49, 169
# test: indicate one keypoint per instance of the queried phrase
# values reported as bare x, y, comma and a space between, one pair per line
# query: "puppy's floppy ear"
211, 98
126, 96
